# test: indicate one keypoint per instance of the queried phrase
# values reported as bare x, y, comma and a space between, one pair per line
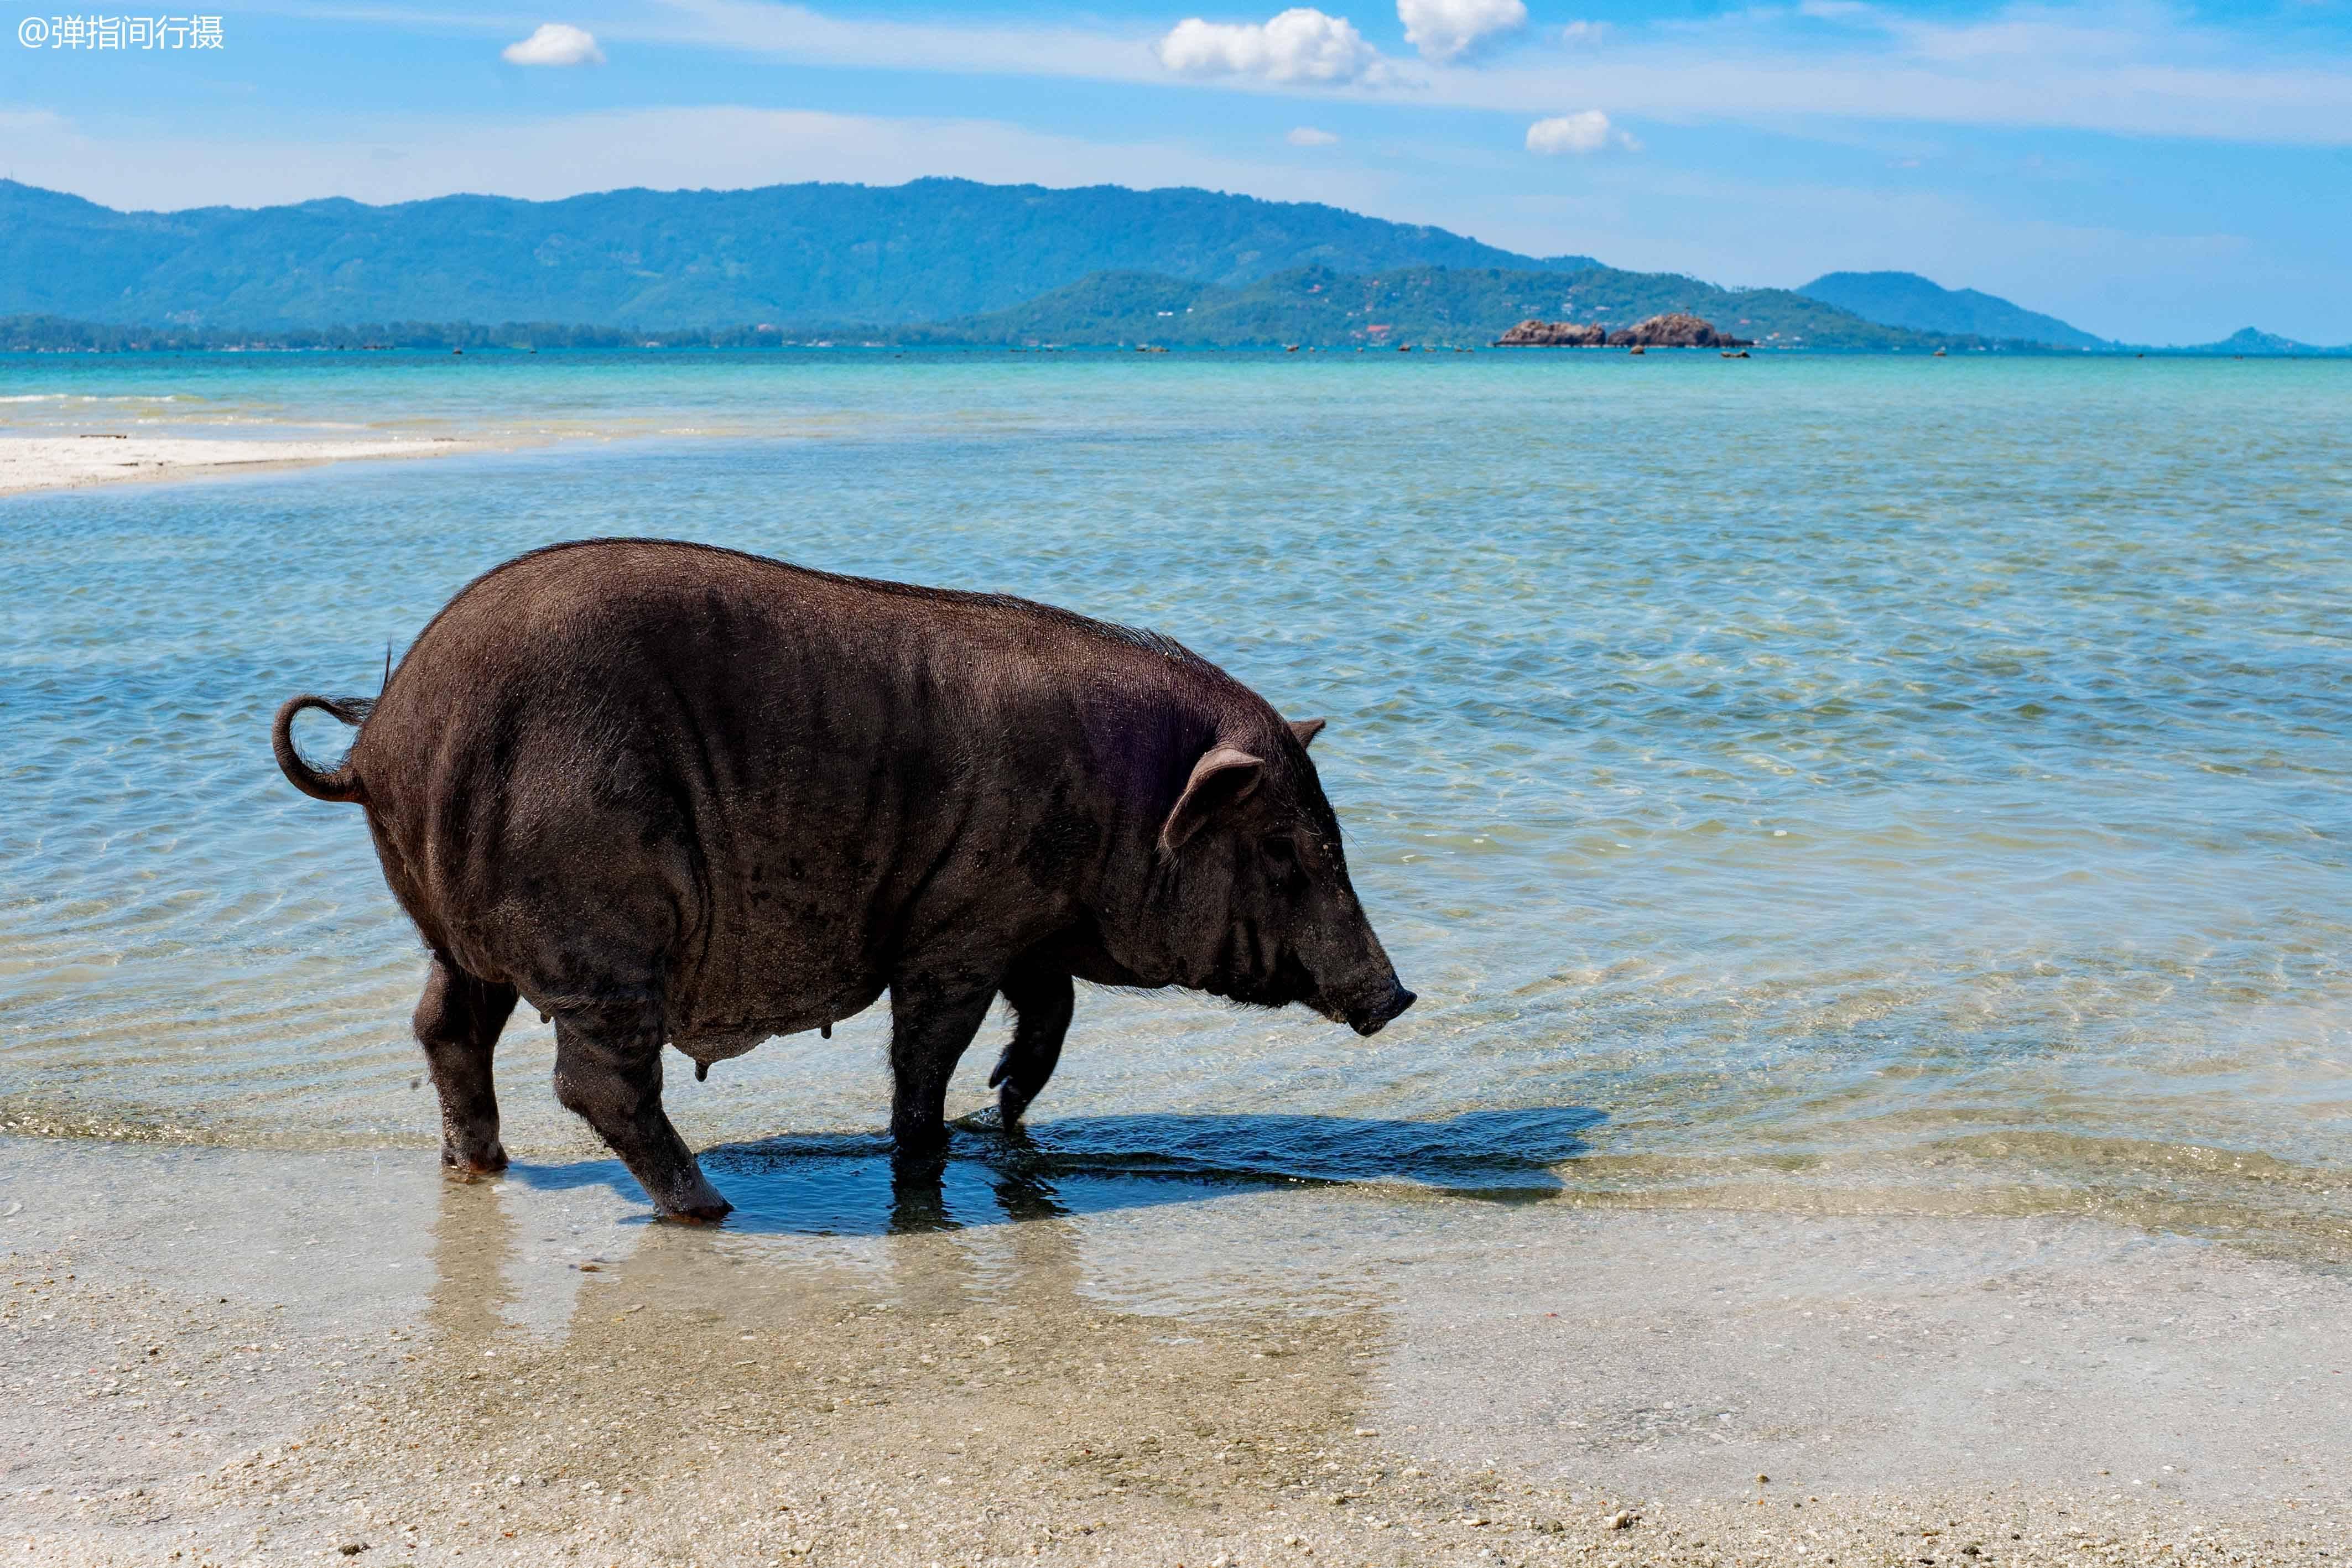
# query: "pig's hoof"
919, 1139
473, 1167
1012, 1102
692, 1200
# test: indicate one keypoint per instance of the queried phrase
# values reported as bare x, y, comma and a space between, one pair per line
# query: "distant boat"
1939, 353
1290, 348
1637, 349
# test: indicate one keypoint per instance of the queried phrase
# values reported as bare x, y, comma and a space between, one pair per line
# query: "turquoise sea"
1854, 785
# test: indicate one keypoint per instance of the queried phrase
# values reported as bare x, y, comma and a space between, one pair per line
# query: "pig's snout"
1368, 1021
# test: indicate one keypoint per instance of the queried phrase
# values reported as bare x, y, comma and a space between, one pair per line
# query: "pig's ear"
1223, 777
1307, 729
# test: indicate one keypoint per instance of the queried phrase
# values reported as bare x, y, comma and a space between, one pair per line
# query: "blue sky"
2158, 172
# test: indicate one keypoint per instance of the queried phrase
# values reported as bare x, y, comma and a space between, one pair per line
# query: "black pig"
673, 793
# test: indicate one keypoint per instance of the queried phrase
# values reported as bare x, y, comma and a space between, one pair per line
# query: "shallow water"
1799, 782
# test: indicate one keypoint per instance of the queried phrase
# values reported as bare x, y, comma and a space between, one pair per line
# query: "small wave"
94, 397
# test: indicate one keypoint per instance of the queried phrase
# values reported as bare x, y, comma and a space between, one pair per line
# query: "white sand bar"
54, 462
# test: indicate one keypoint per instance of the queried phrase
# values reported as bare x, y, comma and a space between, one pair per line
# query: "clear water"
1846, 784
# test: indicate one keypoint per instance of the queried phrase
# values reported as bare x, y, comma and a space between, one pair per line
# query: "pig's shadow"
855, 1185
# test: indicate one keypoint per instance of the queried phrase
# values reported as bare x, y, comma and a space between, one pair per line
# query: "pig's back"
774, 776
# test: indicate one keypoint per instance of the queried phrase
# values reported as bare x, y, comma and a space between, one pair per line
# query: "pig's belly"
731, 1031
760, 977
706, 1048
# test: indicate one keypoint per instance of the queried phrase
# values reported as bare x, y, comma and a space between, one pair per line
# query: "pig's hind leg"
458, 1022
1042, 998
608, 1069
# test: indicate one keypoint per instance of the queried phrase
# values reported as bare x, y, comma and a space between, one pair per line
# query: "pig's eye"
1282, 865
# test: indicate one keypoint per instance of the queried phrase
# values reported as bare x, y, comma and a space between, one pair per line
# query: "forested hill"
928, 251
1461, 307
1907, 300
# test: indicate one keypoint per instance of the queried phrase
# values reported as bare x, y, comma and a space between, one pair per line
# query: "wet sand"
234, 1357
61, 462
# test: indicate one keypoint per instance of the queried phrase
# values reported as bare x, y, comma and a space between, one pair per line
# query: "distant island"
932, 263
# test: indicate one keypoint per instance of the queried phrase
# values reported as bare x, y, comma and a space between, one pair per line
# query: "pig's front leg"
932, 1021
1043, 996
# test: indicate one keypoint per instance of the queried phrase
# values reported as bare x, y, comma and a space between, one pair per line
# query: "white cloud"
1583, 35
555, 44
1308, 136
1300, 45
1446, 29
1588, 131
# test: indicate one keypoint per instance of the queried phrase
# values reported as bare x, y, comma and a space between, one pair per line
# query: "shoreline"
32, 464
521, 1369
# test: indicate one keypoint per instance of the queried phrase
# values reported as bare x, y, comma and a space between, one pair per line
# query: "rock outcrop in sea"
1674, 329
1532, 333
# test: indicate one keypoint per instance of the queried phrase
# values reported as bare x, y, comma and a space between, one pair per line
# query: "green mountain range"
929, 261
927, 251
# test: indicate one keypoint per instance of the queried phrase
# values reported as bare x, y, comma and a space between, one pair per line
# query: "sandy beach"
66, 462
220, 1357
